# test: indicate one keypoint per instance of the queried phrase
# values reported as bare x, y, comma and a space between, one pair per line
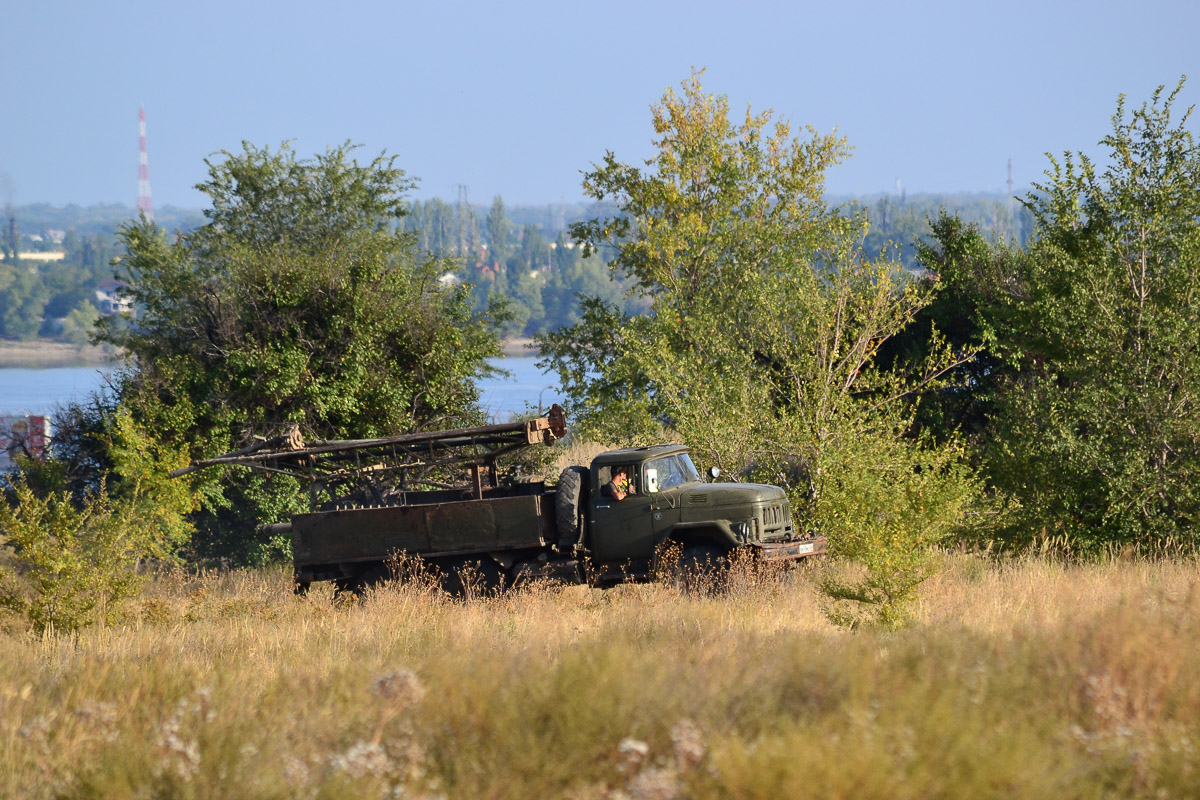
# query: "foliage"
300, 301
891, 501
1087, 400
54, 299
79, 323
57, 290
22, 298
498, 225
70, 563
972, 280
765, 320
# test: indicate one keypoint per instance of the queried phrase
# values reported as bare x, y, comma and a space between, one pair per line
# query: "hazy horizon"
484, 204
519, 100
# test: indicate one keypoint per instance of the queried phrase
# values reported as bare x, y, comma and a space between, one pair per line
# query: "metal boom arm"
474, 447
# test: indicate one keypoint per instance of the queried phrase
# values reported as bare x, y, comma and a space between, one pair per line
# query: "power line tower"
144, 203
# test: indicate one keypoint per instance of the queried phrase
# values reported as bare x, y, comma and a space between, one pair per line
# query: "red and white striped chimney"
144, 203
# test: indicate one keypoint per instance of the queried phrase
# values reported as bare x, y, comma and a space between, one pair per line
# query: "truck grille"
776, 521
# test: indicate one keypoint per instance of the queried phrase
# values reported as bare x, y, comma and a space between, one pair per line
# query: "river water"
40, 391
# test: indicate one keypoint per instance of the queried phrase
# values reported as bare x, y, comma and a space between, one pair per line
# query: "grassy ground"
1025, 679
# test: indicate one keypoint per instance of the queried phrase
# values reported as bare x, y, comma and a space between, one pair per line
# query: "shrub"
70, 562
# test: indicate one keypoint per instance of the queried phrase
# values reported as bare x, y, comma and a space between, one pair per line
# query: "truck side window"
607, 474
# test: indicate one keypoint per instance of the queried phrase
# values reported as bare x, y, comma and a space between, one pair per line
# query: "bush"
887, 503
68, 563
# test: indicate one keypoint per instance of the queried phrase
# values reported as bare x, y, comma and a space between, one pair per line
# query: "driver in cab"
619, 487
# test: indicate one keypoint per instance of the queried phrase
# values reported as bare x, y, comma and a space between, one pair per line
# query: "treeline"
55, 298
541, 271
534, 270
524, 256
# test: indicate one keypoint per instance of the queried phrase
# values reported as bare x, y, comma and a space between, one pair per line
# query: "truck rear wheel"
368, 577
568, 502
462, 577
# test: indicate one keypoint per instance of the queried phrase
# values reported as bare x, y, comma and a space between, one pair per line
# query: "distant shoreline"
41, 354
517, 347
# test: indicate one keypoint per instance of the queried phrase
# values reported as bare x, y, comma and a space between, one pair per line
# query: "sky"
519, 99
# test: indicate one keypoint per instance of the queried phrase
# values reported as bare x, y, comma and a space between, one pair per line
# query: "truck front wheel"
701, 569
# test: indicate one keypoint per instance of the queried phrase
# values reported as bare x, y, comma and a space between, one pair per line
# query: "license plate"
805, 548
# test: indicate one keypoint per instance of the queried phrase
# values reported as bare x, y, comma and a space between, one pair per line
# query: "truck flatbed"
508, 518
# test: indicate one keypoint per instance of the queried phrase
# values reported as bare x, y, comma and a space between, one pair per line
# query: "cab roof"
632, 455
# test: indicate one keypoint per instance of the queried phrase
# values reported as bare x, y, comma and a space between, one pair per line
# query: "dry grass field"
1024, 678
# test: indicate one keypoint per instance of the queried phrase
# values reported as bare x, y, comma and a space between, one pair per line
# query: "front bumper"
790, 551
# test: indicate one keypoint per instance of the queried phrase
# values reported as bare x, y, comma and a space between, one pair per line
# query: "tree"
22, 298
526, 292
497, 228
974, 281
299, 301
759, 348
79, 323
573, 277
1098, 433
535, 250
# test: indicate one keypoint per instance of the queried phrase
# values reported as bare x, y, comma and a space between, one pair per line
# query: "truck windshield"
690, 473
674, 470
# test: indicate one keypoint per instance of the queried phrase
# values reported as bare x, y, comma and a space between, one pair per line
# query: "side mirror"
651, 481
714, 473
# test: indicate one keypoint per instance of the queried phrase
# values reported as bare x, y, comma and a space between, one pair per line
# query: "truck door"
622, 529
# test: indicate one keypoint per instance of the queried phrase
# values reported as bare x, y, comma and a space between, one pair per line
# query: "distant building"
23, 435
29, 255
111, 298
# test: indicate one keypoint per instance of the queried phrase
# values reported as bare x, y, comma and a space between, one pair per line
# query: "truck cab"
669, 503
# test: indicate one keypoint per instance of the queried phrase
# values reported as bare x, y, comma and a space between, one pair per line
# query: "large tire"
485, 577
701, 569
370, 576
568, 503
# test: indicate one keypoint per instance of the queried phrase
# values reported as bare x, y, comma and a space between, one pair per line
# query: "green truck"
375, 499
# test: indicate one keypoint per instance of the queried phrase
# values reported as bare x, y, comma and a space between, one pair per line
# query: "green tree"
974, 280
759, 348
573, 277
300, 301
79, 324
535, 250
526, 292
498, 225
22, 299
1098, 434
